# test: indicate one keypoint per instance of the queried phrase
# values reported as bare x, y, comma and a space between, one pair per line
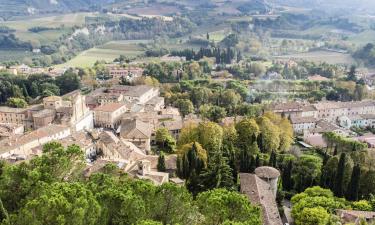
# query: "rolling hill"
10, 8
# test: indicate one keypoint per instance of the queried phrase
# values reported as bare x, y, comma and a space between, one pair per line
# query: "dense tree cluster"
15, 91
210, 155
211, 99
222, 56
51, 190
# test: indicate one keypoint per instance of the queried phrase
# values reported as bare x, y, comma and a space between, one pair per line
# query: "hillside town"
240, 112
119, 124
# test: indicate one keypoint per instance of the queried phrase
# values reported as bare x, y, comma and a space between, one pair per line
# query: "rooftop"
133, 91
6, 109
267, 172
259, 192
135, 129
110, 107
298, 120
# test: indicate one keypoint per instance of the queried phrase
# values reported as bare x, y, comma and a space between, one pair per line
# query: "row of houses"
116, 130
69, 110
305, 116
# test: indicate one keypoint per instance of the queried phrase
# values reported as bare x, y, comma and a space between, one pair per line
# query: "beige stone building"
137, 132
109, 115
23, 145
69, 110
12, 115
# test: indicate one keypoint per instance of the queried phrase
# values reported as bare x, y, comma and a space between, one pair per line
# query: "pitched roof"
135, 129
110, 107
259, 192
298, 119
133, 91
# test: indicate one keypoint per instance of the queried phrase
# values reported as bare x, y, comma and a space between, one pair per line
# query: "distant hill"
9, 8
330, 5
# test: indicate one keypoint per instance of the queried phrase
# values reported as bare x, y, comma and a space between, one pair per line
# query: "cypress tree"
273, 160
353, 187
260, 142
257, 162
161, 163
335, 151
185, 166
339, 181
252, 164
287, 176
179, 166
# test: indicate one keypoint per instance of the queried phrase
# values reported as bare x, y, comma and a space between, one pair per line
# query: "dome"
267, 172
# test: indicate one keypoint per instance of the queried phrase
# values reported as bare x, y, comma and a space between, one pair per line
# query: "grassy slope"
68, 21
107, 52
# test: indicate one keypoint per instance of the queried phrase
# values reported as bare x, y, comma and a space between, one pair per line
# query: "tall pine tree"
353, 186
339, 180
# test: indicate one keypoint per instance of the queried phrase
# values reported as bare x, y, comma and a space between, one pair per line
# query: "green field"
65, 22
107, 52
363, 38
16, 55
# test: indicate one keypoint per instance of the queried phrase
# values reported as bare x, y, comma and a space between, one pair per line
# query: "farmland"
321, 56
63, 22
107, 52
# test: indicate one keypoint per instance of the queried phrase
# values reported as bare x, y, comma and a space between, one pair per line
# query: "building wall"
86, 123
300, 127
25, 148
12, 117
109, 119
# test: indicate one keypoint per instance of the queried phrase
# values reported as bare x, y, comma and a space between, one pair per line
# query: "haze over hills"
330, 5
24, 7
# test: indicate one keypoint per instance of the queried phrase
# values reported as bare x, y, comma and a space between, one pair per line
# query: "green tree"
304, 203
16, 103
353, 187
218, 174
287, 176
161, 163
210, 136
4, 217
68, 82
362, 205
192, 159
314, 216
307, 171
247, 131
60, 203
165, 140
273, 159
270, 135
339, 181
185, 106
220, 205
149, 222
173, 205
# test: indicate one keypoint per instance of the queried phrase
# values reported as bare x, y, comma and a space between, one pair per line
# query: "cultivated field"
107, 52
64, 22
321, 56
